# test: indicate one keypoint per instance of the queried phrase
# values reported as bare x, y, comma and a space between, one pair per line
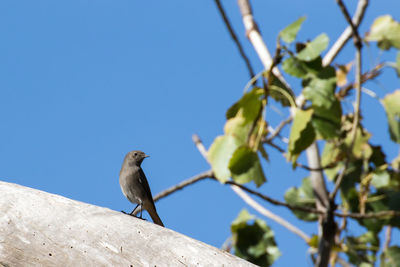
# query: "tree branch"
358, 46
183, 184
234, 37
277, 130
346, 35
388, 237
254, 204
254, 36
344, 91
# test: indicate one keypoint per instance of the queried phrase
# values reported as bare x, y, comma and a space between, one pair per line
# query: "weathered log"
42, 229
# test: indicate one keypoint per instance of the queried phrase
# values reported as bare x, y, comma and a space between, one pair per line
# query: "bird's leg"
135, 209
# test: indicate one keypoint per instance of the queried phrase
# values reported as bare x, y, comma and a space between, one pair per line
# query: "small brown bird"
134, 185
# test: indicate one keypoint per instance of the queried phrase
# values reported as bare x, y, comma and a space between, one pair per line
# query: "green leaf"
289, 34
238, 127
332, 154
314, 48
386, 32
294, 67
392, 108
253, 240
320, 90
302, 69
220, 154
380, 179
245, 166
302, 196
249, 105
391, 257
327, 122
362, 249
302, 133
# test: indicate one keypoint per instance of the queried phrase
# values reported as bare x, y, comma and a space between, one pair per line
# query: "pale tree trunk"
42, 229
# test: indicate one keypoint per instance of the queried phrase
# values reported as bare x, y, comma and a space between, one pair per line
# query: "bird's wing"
145, 183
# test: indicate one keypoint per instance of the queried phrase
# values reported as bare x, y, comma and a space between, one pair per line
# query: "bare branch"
197, 141
277, 130
234, 37
354, 28
388, 237
256, 40
347, 33
254, 204
183, 184
316, 176
373, 215
358, 74
343, 262
344, 91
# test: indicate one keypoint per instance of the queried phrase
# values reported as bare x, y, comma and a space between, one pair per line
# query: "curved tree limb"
254, 204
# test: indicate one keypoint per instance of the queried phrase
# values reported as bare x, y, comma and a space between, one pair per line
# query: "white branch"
254, 204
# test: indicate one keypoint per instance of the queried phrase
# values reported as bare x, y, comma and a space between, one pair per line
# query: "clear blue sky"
83, 82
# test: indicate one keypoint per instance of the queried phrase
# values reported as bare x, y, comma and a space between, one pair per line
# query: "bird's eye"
135, 154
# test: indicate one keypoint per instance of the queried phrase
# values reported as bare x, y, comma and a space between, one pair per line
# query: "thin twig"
344, 91
183, 184
277, 130
343, 262
210, 175
254, 204
234, 37
283, 151
358, 74
346, 35
354, 28
197, 141
372, 215
274, 201
388, 237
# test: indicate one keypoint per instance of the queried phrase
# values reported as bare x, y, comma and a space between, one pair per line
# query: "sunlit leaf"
341, 73
289, 34
361, 147
253, 240
245, 166
391, 102
380, 179
314, 48
238, 127
302, 133
386, 32
220, 154
249, 105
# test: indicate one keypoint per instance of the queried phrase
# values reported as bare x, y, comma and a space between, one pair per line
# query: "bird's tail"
151, 209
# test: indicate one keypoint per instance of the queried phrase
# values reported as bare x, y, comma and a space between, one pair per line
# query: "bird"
135, 187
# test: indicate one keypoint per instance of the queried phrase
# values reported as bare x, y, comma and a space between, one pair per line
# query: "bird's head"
135, 157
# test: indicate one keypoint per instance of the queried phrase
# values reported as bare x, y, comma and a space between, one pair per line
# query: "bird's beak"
146, 156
